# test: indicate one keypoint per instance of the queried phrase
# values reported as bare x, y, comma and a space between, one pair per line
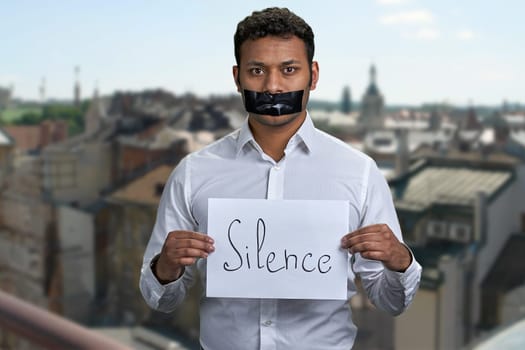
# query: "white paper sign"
277, 249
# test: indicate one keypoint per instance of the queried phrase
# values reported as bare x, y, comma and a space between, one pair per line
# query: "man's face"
275, 65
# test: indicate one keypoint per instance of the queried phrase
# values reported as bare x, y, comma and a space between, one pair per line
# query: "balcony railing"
48, 330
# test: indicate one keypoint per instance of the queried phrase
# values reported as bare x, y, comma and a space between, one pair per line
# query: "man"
277, 154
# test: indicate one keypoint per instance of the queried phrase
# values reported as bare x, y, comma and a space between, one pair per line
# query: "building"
28, 238
133, 210
372, 104
33, 138
457, 214
7, 146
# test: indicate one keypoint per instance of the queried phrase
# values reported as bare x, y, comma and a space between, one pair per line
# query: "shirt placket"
268, 307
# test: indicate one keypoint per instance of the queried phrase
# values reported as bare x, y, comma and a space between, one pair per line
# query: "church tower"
371, 116
346, 102
94, 115
76, 90
42, 90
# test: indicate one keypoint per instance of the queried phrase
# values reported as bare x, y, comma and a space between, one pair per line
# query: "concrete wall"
25, 221
434, 320
78, 175
451, 305
76, 235
504, 217
417, 327
131, 226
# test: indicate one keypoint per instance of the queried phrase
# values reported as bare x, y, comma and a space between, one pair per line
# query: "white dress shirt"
315, 166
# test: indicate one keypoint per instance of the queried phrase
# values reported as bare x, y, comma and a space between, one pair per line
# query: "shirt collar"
305, 134
244, 136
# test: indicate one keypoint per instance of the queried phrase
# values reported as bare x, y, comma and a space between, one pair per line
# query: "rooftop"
449, 186
5, 139
27, 137
144, 190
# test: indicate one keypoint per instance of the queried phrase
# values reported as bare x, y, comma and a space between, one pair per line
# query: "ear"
235, 71
315, 75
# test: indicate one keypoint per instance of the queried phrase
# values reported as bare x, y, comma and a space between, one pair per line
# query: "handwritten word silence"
272, 261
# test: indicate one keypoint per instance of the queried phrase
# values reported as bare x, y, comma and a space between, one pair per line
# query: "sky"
460, 52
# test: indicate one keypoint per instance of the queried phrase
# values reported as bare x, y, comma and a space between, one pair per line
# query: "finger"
186, 261
366, 246
371, 251
371, 229
363, 230
193, 243
374, 255
190, 235
349, 241
189, 253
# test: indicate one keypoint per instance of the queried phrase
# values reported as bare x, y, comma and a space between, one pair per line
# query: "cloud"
465, 34
410, 17
496, 76
391, 2
428, 34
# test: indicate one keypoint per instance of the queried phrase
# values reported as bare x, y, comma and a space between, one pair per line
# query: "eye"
256, 71
289, 69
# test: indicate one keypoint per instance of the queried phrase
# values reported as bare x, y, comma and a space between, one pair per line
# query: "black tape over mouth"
265, 103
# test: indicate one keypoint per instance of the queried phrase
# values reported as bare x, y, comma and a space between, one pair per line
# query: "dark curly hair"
273, 21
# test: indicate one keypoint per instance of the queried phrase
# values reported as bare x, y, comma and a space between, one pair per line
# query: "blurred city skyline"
425, 51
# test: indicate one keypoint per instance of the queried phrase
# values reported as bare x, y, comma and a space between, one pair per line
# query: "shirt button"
276, 167
268, 323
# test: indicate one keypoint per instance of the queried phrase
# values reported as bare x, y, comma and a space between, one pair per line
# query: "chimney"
60, 131
45, 133
403, 152
480, 211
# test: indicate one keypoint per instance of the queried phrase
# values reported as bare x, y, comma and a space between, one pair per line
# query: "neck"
273, 139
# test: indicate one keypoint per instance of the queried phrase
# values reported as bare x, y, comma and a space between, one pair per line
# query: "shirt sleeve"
388, 290
173, 213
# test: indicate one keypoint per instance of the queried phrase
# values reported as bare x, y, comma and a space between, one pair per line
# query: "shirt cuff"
157, 289
409, 277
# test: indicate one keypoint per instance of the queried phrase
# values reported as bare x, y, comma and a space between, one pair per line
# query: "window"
437, 229
382, 141
460, 232
60, 173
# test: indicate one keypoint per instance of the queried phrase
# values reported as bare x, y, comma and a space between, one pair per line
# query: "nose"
273, 82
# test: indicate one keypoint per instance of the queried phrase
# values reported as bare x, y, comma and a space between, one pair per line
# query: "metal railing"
48, 330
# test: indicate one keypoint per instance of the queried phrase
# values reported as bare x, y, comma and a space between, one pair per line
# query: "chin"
276, 121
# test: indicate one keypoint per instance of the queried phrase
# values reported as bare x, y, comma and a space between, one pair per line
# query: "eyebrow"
287, 63
255, 63
262, 64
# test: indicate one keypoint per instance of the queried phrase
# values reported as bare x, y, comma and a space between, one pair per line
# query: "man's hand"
180, 249
378, 242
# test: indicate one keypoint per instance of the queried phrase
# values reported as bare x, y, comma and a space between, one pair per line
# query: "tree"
29, 118
73, 115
